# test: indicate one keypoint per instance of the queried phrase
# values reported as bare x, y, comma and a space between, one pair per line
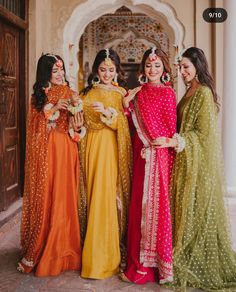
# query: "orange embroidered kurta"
50, 233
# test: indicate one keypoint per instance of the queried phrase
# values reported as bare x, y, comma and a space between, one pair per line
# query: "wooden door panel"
11, 169
11, 45
9, 114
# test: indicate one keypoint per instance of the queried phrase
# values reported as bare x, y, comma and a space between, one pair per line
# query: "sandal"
123, 277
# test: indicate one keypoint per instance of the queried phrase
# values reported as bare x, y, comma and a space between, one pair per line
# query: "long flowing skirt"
58, 245
136, 272
101, 251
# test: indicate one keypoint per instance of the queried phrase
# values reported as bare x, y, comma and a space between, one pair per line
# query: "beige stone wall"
60, 13
219, 57
39, 34
184, 11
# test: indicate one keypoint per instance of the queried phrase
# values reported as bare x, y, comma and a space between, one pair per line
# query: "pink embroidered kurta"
149, 230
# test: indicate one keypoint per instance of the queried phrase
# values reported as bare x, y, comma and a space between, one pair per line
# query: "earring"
196, 77
115, 80
64, 81
142, 79
46, 89
165, 78
95, 81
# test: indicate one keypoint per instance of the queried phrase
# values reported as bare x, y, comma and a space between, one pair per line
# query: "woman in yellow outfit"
106, 170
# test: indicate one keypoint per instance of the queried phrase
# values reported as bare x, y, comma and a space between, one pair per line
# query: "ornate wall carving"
130, 34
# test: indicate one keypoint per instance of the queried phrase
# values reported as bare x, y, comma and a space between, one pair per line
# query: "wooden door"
9, 115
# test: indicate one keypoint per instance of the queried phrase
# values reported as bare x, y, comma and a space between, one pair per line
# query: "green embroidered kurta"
203, 255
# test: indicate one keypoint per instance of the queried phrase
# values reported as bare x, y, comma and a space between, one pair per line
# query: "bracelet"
180, 143
109, 121
49, 113
75, 109
129, 109
126, 111
77, 136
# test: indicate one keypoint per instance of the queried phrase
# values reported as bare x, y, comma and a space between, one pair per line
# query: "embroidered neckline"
110, 87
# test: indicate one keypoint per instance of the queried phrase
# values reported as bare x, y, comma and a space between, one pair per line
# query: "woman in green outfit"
203, 256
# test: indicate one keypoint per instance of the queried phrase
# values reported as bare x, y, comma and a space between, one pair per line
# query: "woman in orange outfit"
50, 232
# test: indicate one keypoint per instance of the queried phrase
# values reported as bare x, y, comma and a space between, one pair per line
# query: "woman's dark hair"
164, 58
198, 59
43, 77
100, 57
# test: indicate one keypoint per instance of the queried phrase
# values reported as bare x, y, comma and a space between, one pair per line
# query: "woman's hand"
130, 96
75, 98
164, 142
77, 121
62, 104
99, 107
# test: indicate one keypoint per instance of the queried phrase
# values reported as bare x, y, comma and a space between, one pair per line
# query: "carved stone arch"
82, 16
131, 38
113, 42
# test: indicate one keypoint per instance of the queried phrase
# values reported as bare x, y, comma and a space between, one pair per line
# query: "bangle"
49, 113
77, 136
126, 111
180, 143
109, 121
82, 132
75, 109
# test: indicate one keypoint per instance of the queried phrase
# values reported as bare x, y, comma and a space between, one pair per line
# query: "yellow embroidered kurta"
106, 155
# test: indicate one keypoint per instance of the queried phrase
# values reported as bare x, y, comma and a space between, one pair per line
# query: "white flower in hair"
108, 60
153, 55
178, 55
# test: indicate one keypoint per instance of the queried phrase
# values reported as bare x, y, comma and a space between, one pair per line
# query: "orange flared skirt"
59, 238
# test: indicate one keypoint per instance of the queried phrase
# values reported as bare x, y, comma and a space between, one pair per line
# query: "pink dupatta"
154, 115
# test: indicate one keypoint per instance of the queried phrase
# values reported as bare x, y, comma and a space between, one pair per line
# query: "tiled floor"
11, 280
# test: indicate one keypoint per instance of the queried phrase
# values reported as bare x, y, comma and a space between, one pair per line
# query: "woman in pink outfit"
153, 110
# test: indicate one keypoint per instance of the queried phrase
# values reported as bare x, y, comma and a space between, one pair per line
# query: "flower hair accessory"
153, 55
108, 60
178, 55
58, 63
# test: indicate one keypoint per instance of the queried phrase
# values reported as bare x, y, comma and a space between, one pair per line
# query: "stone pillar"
229, 98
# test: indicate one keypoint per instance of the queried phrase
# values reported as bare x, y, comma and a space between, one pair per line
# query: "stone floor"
11, 280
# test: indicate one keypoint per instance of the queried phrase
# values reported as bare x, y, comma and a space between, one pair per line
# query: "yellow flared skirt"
101, 252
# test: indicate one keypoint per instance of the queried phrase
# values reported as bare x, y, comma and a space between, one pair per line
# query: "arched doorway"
129, 34
82, 16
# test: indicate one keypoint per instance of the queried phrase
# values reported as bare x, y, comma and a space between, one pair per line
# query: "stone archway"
83, 15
